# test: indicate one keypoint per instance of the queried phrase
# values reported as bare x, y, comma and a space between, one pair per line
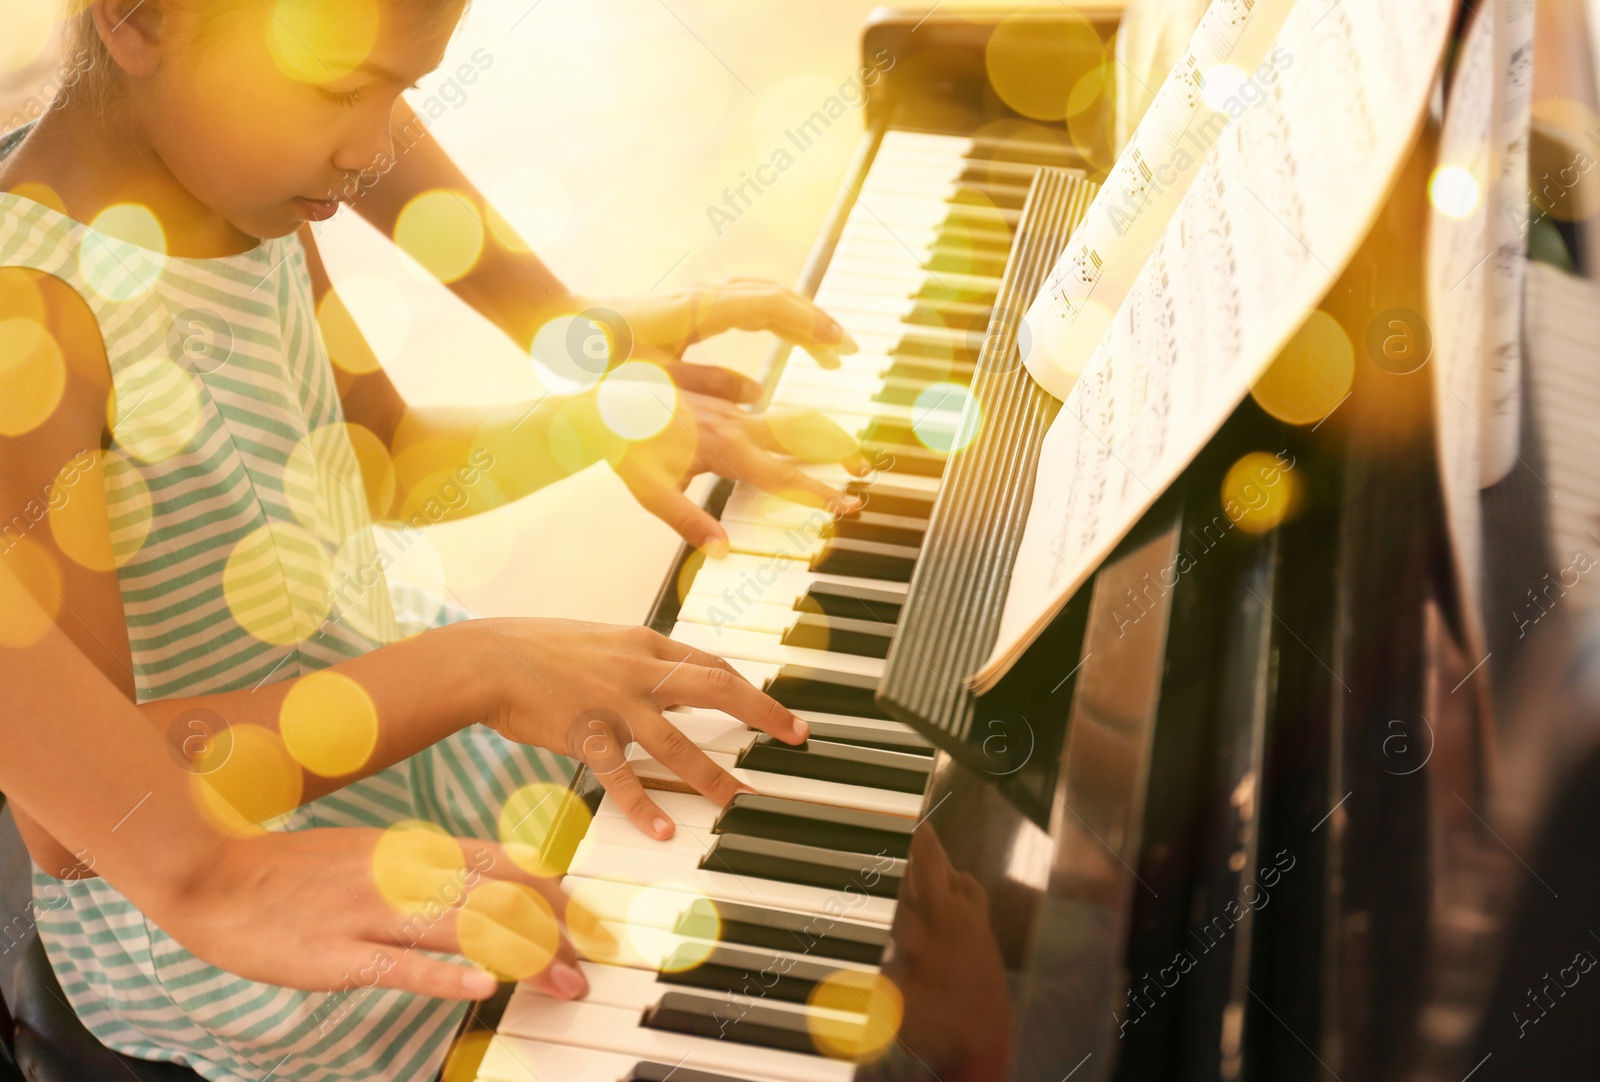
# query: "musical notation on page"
1225, 71
1280, 206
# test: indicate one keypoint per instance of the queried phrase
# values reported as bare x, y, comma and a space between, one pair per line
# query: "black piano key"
878, 526
865, 560
877, 875
965, 261
645, 1071
740, 971
986, 218
852, 602
953, 288
945, 345
858, 638
1025, 152
985, 194
847, 764
917, 461
845, 829
993, 171
779, 929
730, 1019
847, 732
931, 370
902, 392
963, 314
803, 687
885, 497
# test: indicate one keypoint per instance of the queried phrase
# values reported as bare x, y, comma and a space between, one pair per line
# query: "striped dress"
246, 554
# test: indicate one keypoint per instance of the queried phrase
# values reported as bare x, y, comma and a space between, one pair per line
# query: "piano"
1180, 840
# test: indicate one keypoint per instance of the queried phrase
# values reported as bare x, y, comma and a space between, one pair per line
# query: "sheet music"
1286, 196
1225, 71
1501, 390
1460, 277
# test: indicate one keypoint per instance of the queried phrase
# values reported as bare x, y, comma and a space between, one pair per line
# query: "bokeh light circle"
874, 1007
33, 375
253, 583
934, 417
257, 783
30, 593
329, 724
156, 410
529, 821
443, 230
417, 866
1454, 191
509, 929
1311, 374
637, 400
1258, 492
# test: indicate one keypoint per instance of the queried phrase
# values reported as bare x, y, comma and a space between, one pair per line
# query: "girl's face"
267, 113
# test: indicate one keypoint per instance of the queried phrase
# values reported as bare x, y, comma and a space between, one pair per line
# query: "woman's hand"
348, 909
591, 690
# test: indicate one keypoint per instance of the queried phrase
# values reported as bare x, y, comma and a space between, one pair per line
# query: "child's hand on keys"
590, 690
349, 908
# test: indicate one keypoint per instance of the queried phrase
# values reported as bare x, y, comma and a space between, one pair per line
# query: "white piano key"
766, 648
738, 571
758, 507
861, 728
756, 540
833, 793
689, 810
617, 1029
626, 864
517, 1059
713, 611
638, 989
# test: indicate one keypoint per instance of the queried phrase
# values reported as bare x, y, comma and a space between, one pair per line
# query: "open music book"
1275, 209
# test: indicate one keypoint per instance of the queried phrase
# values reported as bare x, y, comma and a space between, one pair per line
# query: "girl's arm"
316, 910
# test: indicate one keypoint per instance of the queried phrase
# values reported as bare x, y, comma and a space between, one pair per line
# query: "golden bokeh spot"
466, 1056
30, 591
637, 400
809, 435
1311, 375
364, 322
653, 917
78, 514
377, 469
1258, 493
329, 724
20, 297
33, 375
1034, 62
540, 825
1454, 191
123, 253
360, 582
129, 506
590, 936
342, 337
254, 583
313, 41
313, 485
42, 194
571, 353
418, 867
133, 223
155, 410
426, 459
257, 783
691, 568
443, 230
1090, 116
870, 1008
508, 928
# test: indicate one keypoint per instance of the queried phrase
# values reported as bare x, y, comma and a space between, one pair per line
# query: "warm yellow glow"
528, 210
30, 26
1033, 63
807, 434
78, 514
442, 230
571, 353
1312, 374
156, 409
874, 1008
255, 784
42, 194
1258, 493
30, 592
933, 418
466, 1056
419, 868
651, 916
360, 582
365, 323
509, 929
253, 582
317, 42
637, 400
377, 469
33, 375
529, 820
129, 505
329, 724
122, 255
313, 485
19, 294
1454, 191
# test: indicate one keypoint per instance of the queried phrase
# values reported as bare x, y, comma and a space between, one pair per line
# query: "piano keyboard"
727, 928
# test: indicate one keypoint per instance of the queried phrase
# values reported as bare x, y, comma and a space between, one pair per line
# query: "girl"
209, 509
